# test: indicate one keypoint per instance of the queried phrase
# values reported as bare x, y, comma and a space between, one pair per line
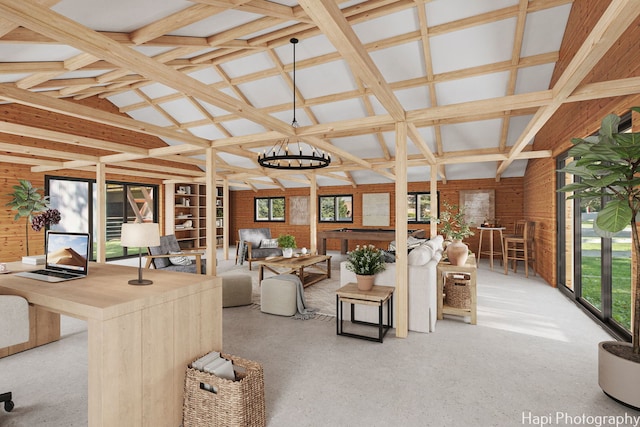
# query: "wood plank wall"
12, 233
577, 119
509, 207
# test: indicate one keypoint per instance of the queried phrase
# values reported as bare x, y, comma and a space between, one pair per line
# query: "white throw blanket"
304, 312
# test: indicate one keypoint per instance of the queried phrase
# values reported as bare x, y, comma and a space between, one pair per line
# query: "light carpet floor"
532, 354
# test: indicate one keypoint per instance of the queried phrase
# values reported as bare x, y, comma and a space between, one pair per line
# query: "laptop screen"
67, 251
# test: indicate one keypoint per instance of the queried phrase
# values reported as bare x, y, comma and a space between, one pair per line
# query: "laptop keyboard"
55, 274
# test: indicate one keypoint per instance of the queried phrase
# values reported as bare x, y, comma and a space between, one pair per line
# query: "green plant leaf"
609, 126
615, 216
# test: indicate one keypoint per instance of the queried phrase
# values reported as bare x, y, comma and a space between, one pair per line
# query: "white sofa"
422, 288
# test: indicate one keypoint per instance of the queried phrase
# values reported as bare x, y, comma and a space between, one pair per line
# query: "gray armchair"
160, 257
250, 246
14, 318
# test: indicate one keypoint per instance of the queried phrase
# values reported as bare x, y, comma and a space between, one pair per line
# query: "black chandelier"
300, 155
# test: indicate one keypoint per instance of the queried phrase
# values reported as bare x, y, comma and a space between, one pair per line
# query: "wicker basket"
234, 403
456, 289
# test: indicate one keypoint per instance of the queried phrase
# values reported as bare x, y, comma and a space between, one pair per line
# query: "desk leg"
322, 246
344, 246
260, 274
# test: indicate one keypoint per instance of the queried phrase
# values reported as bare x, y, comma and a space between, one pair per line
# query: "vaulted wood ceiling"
471, 79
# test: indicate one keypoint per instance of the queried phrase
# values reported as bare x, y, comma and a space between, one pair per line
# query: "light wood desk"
140, 338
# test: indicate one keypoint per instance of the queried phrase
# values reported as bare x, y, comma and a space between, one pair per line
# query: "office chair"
14, 318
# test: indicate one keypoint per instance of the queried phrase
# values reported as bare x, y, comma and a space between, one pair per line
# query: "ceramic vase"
365, 282
457, 252
287, 252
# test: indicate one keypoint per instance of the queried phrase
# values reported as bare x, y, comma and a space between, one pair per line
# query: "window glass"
269, 209
336, 208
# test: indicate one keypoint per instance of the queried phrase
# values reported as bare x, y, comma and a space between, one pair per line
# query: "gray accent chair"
159, 257
248, 246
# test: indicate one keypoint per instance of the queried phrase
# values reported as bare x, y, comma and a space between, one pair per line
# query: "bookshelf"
186, 214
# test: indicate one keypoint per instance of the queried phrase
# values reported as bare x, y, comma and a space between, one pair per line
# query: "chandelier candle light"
301, 155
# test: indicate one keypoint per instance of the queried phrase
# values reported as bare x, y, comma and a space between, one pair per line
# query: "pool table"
371, 234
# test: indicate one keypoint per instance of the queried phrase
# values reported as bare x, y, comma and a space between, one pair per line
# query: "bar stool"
520, 247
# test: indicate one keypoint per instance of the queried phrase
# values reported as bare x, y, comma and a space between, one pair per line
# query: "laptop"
66, 257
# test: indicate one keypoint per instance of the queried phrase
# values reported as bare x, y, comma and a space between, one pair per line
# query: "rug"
321, 295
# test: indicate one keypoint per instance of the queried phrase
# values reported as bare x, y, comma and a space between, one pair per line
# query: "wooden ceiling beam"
615, 20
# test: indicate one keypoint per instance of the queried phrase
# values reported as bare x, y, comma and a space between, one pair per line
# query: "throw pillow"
179, 260
420, 255
269, 243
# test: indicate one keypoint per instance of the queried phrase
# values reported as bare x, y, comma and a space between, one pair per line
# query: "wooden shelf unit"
187, 202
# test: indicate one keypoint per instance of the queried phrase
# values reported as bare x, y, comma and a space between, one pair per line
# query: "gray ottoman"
278, 296
236, 290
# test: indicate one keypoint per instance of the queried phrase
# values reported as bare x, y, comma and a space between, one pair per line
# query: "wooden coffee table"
305, 266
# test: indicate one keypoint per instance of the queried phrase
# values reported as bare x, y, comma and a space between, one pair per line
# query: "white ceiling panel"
266, 92
34, 52
123, 99
306, 48
342, 110
472, 47
533, 79
394, 66
537, 37
157, 90
414, 98
209, 132
247, 65
150, 115
216, 24
242, 127
325, 79
472, 88
363, 146
444, 11
517, 125
118, 15
387, 26
206, 76
471, 135
471, 171
182, 110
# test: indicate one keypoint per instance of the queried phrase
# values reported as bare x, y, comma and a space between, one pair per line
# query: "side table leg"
380, 322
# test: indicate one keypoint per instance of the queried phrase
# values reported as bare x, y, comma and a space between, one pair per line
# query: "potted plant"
287, 242
28, 202
608, 164
365, 261
456, 228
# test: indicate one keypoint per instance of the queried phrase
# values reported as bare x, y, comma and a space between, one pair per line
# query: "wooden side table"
490, 252
469, 268
377, 296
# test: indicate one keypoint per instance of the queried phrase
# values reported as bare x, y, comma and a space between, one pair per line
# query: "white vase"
287, 252
457, 252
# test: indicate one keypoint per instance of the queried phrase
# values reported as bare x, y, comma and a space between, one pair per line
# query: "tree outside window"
336, 208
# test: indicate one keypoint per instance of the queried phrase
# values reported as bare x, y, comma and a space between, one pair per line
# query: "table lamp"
139, 235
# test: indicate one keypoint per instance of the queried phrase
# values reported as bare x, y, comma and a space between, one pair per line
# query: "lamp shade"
138, 235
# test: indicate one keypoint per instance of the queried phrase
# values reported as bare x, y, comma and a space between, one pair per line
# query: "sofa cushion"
179, 259
265, 252
420, 255
269, 243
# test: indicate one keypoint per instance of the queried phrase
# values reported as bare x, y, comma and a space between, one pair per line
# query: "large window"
269, 209
126, 202
336, 208
419, 209
594, 270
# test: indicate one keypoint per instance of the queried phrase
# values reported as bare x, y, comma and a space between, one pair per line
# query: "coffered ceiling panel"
467, 77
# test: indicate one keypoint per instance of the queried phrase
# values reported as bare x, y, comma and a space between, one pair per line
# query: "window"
269, 209
126, 202
594, 271
336, 208
419, 209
